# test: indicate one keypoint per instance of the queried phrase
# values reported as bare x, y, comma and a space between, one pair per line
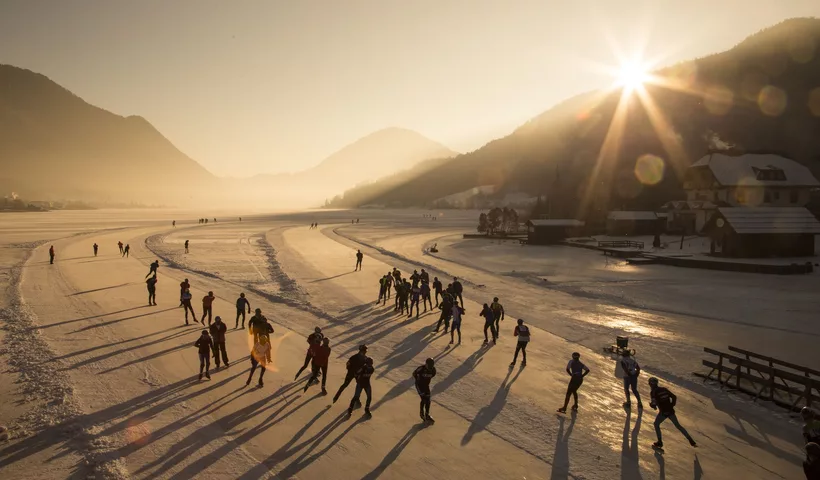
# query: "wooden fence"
620, 244
780, 382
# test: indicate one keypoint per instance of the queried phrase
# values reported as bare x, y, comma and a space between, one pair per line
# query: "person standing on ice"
498, 313
186, 305
489, 323
631, 371
174, 223
260, 357
153, 268
363, 384
207, 307
414, 301
127, 250
664, 401
353, 365
320, 359
218, 330
359, 257
205, 344
96, 247
425, 295
577, 371
523, 333
119, 244
314, 338
438, 288
186, 246
151, 284
51, 255
422, 376
457, 313
259, 326
184, 285
457, 290
242, 303
425, 277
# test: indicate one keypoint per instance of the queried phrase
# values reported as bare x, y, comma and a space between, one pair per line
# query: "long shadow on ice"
487, 414
75, 320
630, 461
560, 460
393, 454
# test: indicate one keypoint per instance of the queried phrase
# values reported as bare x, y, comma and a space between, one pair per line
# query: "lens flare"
649, 169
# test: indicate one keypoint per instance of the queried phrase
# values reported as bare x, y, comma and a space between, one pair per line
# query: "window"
769, 173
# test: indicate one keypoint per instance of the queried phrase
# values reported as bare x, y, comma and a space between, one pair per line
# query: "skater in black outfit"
242, 303
186, 246
205, 344
457, 314
425, 295
664, 401
489, 323
320, 355
523, 334
577, 371
186, 305
314, 338
96, 247
422, 376
218, 330
362, 384
415, 296
631, 371
353, 365
437, 287
359, 257
153, 268
127, 250
119, 244
259, 326
446, 307
151, 283
425, 277
260, 356
457, 289
51, 255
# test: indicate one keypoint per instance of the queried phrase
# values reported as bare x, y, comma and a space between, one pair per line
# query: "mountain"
763, 94
370, 158
54, 145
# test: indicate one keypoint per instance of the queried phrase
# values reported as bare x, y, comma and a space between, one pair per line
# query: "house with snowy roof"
752, 204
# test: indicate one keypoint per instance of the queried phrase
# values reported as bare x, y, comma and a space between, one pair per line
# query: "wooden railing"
777, 378
620, 244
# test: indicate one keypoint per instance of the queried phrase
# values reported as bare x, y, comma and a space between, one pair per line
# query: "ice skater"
186, 305
207, 307
577, 371
363, 384
259, 326
51, 255
260, 357
359, 258
446, 307
425, 295
523, 333
438, 288
205, 344
151, 283
319, 360
119, 244
242, 304
218, 330
173, 224
96, 248
664, 401
457, 290
184, 285
422, 376
631, 370
153, 268
354, 363
414, 301
498, 313
127, 250
186, 246
489, 323
457, 314
314, 338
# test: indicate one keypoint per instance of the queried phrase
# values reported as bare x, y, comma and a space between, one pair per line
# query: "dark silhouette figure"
151, 284
127, 250
186, 246
359, 258
577, 371
153, 268
51, 255
120, 245
96, 248
205, 344
218, 330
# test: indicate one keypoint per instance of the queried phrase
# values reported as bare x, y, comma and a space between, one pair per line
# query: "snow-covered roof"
751, 220
557, 222
730, 170
631, 215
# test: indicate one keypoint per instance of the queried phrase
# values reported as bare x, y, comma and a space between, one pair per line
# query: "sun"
632, 76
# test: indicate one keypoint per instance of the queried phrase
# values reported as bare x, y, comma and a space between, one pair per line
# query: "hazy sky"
263, 86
